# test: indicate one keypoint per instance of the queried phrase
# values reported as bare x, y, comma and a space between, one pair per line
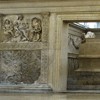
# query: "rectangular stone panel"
24, 50
17, 67
21, 28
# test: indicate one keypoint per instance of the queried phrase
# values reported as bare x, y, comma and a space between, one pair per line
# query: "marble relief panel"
22, 28
24, 49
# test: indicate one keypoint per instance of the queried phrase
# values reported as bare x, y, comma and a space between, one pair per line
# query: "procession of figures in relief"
18, 28
20, 66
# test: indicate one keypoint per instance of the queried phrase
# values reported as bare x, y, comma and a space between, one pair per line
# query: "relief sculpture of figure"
8, 30
76, 41
21, 29
36, 29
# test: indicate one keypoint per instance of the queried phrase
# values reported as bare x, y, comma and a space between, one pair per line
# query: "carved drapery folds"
74, 42
20, 28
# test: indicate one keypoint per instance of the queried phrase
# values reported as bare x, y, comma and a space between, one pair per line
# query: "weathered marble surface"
24, 49
87, 75
20, 66
22, 28
81, 10
51, 96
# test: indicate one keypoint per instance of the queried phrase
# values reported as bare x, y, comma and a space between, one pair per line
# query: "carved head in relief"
36, 24
7, 21
8, 26
20, 17
36, 29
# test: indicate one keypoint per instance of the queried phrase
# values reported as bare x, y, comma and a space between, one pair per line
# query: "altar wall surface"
34, 41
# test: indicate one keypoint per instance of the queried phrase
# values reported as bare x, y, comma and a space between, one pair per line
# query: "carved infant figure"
36, 29
8, 30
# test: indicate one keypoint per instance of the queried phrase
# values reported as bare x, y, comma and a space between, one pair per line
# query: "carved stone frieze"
20, 28
24, 49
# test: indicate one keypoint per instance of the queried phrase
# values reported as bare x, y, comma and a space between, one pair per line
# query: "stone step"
91, 47
92, 40
89, 56
89, 64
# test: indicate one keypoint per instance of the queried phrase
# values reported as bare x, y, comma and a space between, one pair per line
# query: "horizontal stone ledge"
23, 46
28, 88
89, 56
24, 86
73, 55
93, 39
88, 70
65, 9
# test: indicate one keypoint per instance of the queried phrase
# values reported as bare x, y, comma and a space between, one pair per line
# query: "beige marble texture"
66, 96
55, 39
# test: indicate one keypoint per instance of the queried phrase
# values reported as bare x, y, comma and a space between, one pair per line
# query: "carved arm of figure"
83, 38
78, 40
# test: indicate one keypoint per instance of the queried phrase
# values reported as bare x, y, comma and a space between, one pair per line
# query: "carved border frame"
59, 50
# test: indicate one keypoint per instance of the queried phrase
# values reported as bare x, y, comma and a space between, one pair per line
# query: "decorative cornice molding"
47, 3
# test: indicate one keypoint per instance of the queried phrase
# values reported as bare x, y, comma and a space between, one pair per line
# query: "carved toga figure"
21, 28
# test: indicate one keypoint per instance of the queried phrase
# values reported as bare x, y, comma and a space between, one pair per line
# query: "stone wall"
24, 49
49, 43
